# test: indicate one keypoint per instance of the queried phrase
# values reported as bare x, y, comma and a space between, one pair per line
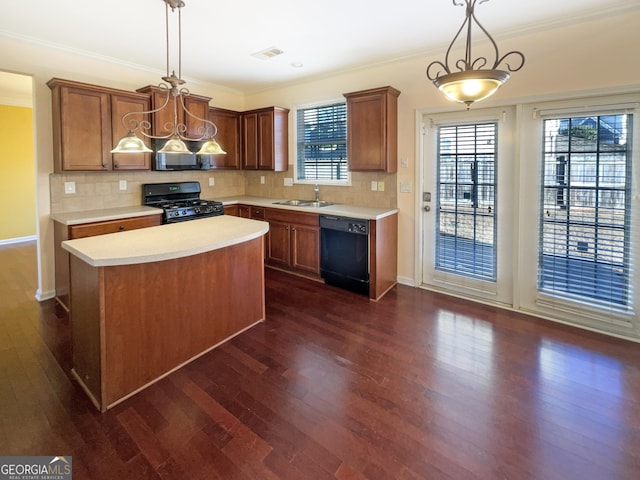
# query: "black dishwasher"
344, 252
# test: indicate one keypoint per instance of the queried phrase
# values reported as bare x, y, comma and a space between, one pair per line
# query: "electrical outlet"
69, 187
381, 186
261, 179
374, 186
288, 182
212, 182
123, 184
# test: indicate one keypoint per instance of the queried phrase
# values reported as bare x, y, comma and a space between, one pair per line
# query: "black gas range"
179, 201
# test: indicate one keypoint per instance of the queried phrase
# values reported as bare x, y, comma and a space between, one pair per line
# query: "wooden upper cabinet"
121, 104
163, 119
87, 125
228, 136
265, 139
198, 106
81, 127
372, 130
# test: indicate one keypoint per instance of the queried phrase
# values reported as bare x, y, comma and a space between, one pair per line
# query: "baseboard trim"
17, 240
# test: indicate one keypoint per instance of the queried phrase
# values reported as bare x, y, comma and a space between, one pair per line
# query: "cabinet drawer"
231, 210
113, 226
258, 213
290, 216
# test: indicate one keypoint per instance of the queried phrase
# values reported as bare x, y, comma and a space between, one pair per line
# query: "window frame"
578, 291
304, 181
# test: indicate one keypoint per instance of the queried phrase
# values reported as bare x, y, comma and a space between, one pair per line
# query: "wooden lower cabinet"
294, 241
383, 255
293, 244
64, 232
231, 210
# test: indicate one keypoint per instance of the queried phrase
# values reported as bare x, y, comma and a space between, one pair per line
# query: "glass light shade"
211, 147
471, 85
131, 144
174, 145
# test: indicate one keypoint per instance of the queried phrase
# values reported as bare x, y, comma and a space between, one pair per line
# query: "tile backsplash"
95, 191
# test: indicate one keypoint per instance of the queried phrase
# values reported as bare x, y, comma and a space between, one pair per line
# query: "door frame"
506, 174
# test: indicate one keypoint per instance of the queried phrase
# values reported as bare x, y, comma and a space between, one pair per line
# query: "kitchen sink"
305, 203
318, 204
295, 203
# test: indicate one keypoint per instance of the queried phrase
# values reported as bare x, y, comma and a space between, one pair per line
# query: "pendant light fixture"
131, 143
476, 79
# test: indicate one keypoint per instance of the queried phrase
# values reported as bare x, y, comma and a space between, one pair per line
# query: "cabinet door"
162, 121
372, 130
305, 248
265, 140
82, 127
279, 244
244, 211
122, 104
228, 124
198, 106
250, 141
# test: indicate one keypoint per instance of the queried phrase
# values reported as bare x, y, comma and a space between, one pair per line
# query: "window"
585, 216
466, 226
322, 144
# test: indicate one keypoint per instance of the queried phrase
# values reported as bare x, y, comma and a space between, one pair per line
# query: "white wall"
599, 54
566, 61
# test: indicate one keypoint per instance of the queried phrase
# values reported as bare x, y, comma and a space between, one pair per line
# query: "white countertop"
117, 213
165, 242
364, 213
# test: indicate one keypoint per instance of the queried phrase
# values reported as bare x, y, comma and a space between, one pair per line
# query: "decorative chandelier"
472, 82
131, 143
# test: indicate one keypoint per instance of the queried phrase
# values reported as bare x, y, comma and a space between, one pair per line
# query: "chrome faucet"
316, 190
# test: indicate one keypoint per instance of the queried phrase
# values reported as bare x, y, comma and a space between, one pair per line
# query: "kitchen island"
146, 302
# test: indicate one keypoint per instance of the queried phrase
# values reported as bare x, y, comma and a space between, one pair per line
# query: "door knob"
427, 208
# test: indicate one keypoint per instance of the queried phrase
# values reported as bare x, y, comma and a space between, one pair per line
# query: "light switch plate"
288, 182
123, 184
405, 187
261, 179
381, 186
212, 182
404, 163
374, 186
69, 187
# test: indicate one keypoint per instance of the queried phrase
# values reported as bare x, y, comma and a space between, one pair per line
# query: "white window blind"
322, 143
466, 226
585, 215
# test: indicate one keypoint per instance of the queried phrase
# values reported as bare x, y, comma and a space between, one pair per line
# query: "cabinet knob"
121, 227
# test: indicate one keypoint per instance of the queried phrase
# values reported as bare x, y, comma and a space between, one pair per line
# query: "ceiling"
219, 38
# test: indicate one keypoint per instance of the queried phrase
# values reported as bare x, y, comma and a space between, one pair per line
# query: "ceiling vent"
268, 53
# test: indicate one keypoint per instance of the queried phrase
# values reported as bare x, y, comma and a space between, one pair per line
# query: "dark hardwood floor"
332, 385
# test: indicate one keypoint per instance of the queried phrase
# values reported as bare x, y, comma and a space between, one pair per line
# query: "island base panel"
154, 317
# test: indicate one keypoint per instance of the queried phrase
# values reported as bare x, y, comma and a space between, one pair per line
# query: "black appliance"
179, 201
180, 161
344, 252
